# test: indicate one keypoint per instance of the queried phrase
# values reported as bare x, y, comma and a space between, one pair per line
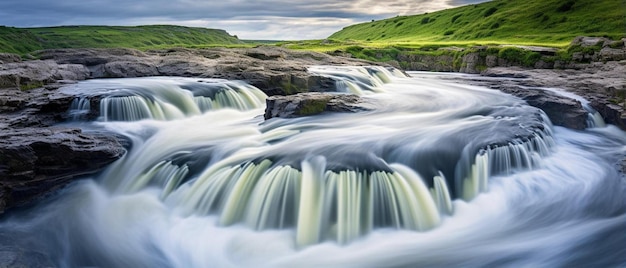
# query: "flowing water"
436, 174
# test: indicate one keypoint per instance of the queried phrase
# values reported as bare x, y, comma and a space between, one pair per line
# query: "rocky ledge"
275, 70
312, 103
603, 84
38, 156
36, 161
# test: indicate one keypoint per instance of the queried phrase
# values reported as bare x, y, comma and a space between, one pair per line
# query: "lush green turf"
546, 22
17, 41
24, 40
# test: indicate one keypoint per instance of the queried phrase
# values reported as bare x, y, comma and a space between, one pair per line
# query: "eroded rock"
36, 161
304, 104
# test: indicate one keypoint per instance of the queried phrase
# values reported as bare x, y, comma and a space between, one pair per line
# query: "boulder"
36, 161
312, 103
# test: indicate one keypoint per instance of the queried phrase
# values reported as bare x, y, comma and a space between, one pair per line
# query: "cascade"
161, 98
270, 179
438, 171
79, 108
358, 80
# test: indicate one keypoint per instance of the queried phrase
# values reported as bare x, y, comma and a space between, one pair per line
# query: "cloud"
253, 19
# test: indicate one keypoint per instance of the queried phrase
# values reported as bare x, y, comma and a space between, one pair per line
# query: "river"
437, 173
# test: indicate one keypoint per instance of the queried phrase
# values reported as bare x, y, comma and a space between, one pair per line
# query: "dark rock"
561, 111
602, 84
304, 104
36, 161
612, 113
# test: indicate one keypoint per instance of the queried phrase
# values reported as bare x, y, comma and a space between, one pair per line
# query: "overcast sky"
252, 19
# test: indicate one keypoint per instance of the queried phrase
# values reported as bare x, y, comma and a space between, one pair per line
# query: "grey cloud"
465, 2
230, 15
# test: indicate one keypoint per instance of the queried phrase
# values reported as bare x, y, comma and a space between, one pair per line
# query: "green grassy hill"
25, 40
500, 21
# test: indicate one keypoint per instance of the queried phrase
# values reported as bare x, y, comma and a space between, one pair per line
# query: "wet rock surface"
602, 84
35, 161
305, 104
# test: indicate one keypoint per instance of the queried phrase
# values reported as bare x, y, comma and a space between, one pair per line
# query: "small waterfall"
134, 108
321, 204
358, 80
516, 156
594, 119
79, 109
167, 99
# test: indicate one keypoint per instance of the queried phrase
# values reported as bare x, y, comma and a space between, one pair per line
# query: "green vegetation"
546, 22
313, 106
25, 40
18, 41
32, 85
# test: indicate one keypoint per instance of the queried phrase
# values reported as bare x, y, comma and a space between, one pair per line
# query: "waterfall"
358, 80
438, 171
79, 109
321, 204
161, 99
594, 119
266, 182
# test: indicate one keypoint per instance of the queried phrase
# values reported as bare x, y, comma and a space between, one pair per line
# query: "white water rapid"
438, 174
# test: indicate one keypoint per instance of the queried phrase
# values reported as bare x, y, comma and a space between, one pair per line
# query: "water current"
437, 173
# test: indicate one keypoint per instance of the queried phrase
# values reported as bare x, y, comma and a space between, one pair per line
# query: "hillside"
24, 40
500, 21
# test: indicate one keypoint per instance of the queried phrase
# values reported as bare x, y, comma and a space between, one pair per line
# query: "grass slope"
18, 41
24, 40
554, 22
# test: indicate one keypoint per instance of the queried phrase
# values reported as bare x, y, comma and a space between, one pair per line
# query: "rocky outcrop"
561, 110
602, 84
584, 50
33, 74
272, 69
35, 161
304, 104
37, 158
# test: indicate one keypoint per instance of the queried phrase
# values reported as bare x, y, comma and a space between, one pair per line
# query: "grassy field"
528, 22
18, 41
25, 40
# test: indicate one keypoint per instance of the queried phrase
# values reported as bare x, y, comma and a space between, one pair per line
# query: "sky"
252, 19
